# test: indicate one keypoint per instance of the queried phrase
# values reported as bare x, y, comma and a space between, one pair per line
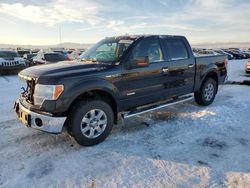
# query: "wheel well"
212, 75
98, 94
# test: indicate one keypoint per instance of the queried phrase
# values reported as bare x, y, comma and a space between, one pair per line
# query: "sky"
39, 22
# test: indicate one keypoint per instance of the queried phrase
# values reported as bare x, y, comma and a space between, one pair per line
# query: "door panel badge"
132, 93
113, 76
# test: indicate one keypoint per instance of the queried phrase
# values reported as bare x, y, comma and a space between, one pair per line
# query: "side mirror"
140, 62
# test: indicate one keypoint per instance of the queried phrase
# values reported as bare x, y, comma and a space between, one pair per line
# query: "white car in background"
10, 61
247, 67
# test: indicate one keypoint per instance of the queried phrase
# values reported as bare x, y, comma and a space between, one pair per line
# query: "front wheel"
205, 96
91, 122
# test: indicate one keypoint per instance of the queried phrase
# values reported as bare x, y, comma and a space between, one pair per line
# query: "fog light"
38, 122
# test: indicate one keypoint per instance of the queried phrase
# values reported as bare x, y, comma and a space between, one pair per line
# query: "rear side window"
148, 48
176, 49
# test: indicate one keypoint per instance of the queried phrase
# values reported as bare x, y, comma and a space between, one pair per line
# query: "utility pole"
60, 35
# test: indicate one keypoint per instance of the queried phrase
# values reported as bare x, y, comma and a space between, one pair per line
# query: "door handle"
190, 65
165, 69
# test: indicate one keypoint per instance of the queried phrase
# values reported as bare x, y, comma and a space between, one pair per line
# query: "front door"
145, 85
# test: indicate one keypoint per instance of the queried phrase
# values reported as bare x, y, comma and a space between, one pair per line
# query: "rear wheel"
91, 122
205, 96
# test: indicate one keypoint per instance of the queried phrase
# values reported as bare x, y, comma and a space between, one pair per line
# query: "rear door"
181, 65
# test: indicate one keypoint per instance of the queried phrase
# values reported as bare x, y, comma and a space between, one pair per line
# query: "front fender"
72, 92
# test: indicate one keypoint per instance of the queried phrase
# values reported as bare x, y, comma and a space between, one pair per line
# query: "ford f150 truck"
117, 78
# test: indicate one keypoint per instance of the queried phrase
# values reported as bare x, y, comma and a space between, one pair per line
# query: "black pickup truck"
117, 78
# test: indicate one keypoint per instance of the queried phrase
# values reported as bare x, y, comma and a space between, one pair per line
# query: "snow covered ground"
236, 70
180, 146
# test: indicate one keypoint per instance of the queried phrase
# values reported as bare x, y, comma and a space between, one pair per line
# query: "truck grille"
10, 63
28, 92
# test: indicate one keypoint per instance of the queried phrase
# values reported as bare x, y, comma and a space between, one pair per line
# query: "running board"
157, 107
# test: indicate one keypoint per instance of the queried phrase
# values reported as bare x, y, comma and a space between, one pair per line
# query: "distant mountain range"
242, 45
70, 45
66, 45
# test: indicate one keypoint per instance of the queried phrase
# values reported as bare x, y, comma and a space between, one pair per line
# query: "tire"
205, 96
90, 122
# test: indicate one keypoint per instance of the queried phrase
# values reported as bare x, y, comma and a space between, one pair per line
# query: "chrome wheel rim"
209, 92
94, 123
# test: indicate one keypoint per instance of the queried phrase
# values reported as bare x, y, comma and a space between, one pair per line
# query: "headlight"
47, 92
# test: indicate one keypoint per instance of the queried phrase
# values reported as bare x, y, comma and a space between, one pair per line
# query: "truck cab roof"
134, 37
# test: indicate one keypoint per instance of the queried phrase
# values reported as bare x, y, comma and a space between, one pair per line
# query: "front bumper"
43, 122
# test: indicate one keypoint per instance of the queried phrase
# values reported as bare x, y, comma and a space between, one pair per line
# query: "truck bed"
204, 63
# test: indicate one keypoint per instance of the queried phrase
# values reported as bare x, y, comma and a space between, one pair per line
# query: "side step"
157, 106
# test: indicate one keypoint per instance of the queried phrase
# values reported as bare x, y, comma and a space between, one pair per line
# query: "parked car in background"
47, 58
206, 52
246, 55
74, 55
82, 50
21, 52
65, 53
29, 58
35, 51
247, 67
222, 52
11, 62
236, 55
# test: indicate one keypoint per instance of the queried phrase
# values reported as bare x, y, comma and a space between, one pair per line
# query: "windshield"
107, 51
6, 54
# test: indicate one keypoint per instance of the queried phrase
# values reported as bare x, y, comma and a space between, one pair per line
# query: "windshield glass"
6, 54
107, 51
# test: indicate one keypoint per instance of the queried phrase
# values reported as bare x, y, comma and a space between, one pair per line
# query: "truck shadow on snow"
244, 82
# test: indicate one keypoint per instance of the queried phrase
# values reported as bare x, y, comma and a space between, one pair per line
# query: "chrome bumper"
46, 123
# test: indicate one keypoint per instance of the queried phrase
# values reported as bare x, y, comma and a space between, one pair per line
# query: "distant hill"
67, 45
242, 45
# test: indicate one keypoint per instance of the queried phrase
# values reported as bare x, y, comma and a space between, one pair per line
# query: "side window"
176, 49
148, 48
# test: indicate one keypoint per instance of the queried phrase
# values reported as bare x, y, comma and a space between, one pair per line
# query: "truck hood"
61, 70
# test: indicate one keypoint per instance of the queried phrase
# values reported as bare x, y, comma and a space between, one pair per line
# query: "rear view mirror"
140, 62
